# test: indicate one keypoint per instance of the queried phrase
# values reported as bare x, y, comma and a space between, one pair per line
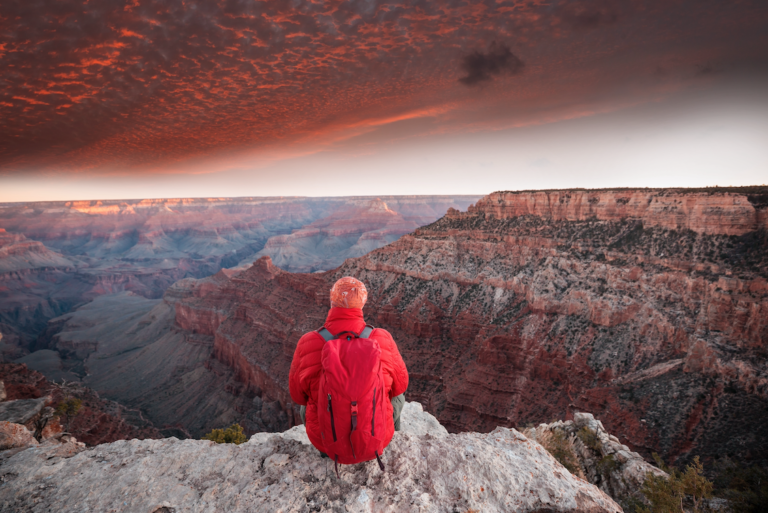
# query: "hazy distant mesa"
55, 256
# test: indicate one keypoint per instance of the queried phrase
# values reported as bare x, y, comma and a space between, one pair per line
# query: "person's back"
348, 296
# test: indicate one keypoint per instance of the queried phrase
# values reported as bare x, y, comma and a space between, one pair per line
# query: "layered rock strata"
428, 471
712, 211
503, 320
507, 319
352, 231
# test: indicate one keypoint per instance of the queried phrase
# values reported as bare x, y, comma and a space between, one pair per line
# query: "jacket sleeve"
298, 382
393, 363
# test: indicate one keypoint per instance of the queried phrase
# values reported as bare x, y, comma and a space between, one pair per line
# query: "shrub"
667, 495
68, 408
560, 447
589, 438
232, 435
607, 464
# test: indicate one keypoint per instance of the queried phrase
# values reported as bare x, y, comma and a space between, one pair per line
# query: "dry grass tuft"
560, 446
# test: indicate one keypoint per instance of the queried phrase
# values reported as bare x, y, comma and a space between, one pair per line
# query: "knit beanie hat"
348, 292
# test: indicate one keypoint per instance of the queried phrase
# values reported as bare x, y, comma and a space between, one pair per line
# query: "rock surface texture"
14, 435
501, 471
351, 231
602, 459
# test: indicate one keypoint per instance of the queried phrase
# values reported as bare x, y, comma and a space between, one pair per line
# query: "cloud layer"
106, 86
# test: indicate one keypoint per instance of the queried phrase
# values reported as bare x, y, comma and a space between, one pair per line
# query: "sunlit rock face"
711, 211
427, 470
56, 256
512, 319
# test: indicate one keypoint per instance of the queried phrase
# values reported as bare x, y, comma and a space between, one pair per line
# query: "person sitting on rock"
341, 372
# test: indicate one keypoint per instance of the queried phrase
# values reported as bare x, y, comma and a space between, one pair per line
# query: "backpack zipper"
373, 417
333, 426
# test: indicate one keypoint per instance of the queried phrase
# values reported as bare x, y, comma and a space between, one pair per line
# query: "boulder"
22, 411
603, 460
13, 436
425, 472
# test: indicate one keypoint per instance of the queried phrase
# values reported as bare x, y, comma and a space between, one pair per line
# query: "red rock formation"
651, 313
716, 212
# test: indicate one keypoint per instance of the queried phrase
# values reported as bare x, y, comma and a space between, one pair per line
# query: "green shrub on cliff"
589, 438
232, 435
668, 495
68, 409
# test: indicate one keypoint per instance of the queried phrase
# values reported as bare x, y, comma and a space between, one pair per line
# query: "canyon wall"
658, 327
715, 211
97, 421
504, 319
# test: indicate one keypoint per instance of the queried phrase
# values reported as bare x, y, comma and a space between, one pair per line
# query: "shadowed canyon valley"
645, 307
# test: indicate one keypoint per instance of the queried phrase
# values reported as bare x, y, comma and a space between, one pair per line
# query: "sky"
101, 99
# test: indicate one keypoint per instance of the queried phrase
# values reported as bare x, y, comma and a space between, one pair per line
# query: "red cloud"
88, 85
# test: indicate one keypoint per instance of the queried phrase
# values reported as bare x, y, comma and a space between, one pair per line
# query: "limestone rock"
415, 421
22, 411
15, 435
724, 211
605, 462
501, 471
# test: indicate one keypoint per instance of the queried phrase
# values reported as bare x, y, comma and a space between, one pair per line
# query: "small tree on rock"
68, 409
667, 495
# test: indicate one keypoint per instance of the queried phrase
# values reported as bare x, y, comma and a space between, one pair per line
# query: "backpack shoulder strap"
327, 335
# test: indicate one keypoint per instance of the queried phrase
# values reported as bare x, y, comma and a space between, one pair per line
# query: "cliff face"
733, 211
659, 329
128, 349
352, 231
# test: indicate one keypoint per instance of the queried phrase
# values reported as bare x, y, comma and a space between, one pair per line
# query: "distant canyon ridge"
57, 256
645, 307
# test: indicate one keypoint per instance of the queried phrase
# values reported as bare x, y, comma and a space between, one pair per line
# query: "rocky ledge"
428, 470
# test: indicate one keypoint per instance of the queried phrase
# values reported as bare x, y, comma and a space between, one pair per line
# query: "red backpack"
351, 408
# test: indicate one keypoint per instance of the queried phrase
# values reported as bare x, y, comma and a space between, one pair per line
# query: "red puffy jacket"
304, 378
